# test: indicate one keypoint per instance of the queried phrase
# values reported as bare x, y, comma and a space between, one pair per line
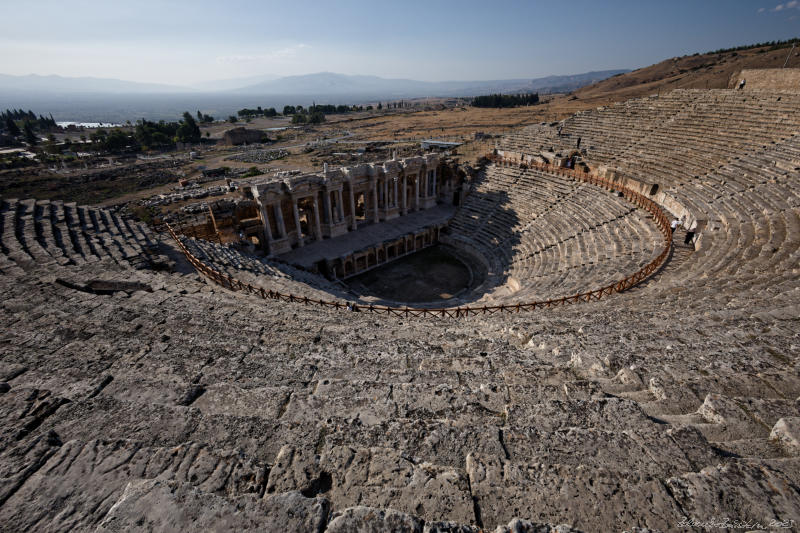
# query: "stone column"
433, 174
375, 200
296, 213
416, 191
339, 205
394, 183
276, 208
353, 207
317, 226
404, 198
326, 204
265, 217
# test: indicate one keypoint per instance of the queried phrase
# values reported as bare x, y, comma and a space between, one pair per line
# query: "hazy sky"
182, 43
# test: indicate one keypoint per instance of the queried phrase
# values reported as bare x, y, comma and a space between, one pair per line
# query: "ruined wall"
767, 78
238, 136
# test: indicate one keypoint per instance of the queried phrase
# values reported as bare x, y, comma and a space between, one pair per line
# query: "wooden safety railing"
624, 284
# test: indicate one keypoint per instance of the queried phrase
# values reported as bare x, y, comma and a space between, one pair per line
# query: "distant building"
432, 144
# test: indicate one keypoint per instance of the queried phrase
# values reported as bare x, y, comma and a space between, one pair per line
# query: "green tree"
12, 127
50, 146
316, 118
116, 141
30, 136
188, 131
232, 119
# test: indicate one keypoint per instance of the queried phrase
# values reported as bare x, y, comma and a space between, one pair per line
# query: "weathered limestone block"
787, 432
368, 402
23, 410
228, 399
524, 526
657, 389
296, 468
629, 377
671, 396
379, 477
606, 413
159, 505
746, 491
589, 364
718, 409
9, 371
22, 459
449, 527
384, 478
595, 499
441, 442
693, 446
744, 418
644, 450
80, 482
370, 520
105, 417
449, 402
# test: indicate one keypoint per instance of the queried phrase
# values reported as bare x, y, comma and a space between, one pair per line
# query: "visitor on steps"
674, 225
689, 237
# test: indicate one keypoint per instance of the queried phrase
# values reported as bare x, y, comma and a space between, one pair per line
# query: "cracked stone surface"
191, 407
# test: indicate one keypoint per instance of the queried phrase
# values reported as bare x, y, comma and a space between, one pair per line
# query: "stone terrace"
175, 404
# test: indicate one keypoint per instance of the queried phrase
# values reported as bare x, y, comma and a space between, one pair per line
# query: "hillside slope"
702, 71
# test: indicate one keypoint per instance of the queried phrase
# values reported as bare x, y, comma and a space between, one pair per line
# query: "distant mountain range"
232, 83
111, 100
61, 84
322, 83
330, 83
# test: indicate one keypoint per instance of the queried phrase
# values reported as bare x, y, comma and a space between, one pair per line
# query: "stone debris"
787, 432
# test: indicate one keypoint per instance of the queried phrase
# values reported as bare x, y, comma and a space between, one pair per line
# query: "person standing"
689, 237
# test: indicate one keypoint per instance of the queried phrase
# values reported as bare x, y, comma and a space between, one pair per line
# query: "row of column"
391, 199
429, 186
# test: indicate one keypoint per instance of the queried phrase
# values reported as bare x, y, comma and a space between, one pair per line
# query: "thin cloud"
793, 4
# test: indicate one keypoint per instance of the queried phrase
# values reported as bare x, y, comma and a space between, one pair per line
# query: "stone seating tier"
177, 406
37, 233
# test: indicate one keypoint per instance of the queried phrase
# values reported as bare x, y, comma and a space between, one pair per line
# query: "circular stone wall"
430, 275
